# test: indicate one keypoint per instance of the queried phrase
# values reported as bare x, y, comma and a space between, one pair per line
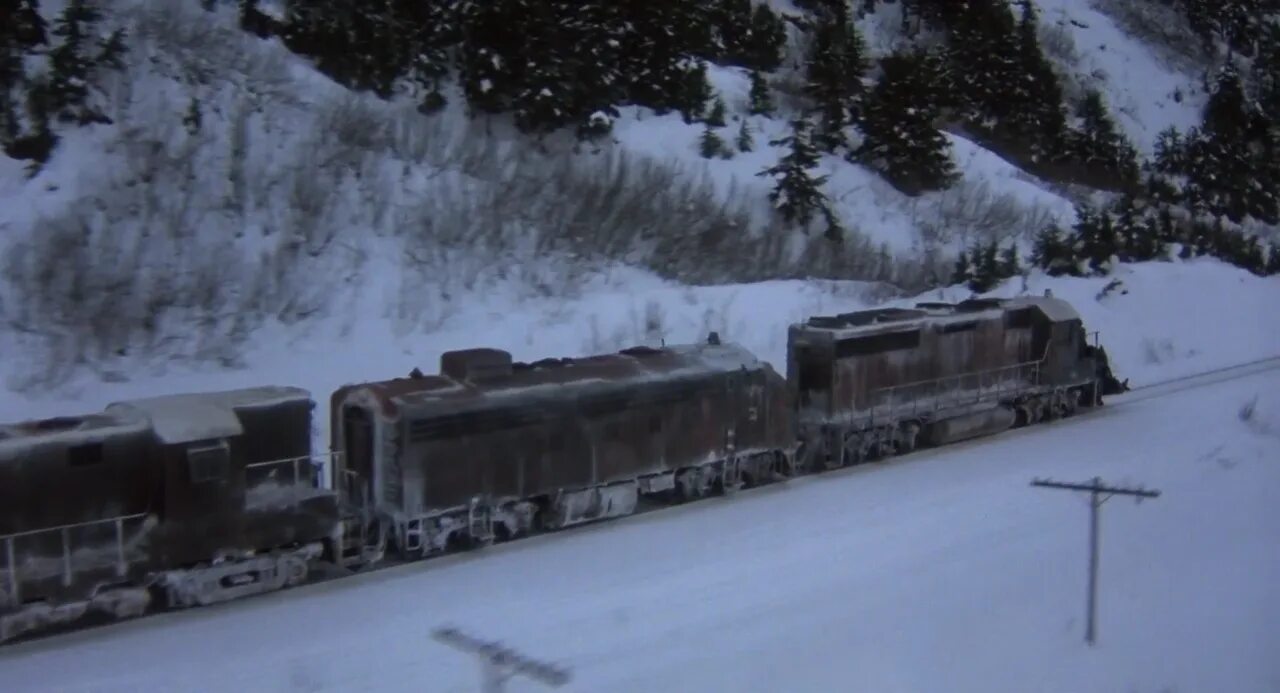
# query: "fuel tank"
975, 425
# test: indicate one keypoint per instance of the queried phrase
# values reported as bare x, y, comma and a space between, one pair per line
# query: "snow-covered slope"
941, 571
159, 239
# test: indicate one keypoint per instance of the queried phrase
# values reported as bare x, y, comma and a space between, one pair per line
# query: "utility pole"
499, 664
1099, 493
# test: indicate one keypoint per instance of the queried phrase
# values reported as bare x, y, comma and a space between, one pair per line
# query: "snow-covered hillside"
237, 188
942, 571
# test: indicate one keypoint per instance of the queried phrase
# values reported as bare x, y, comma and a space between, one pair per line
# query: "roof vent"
475, 364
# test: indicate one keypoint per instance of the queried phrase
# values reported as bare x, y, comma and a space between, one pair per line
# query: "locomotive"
193, 499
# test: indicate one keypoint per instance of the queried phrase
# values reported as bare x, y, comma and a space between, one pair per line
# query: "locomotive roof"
67, 430
547, 376
185, 418
867, 322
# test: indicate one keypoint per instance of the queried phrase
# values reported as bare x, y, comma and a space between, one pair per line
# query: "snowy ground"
939, 571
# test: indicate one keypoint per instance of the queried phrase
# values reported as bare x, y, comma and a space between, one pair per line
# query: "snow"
941, 571
1139, 87
189, 417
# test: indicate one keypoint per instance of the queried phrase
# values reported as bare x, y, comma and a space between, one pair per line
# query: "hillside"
227, 192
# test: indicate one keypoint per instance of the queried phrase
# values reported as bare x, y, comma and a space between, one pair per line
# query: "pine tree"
766, 40
833, 75
983, 53
963, 272
745, 141
901, 141
1099, 145
697, 93
1010, 262
710, 146
1231, 160
985, 259
1038, 118
716, 117
73, 62
797, 193
21, 33
761, 100
1051, 252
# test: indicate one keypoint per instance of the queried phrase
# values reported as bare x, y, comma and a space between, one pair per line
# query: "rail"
12, 577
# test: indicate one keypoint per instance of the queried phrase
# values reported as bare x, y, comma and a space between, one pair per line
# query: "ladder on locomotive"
109, 553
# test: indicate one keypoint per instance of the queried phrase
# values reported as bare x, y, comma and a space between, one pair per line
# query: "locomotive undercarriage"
486, 521
227, 577
831, 445
238, 575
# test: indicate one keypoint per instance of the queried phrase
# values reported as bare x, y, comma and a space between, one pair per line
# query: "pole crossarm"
503, 659
1099, 493
1096, 486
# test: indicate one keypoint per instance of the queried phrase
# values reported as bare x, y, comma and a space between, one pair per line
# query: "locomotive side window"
209, 463
84, 455
877, 343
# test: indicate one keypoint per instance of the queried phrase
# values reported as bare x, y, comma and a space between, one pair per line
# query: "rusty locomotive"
193, 499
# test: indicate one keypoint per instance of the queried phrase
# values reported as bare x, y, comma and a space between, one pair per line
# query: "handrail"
11, 563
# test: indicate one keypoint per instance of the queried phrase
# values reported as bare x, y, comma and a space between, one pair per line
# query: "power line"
1099, 493
500, 664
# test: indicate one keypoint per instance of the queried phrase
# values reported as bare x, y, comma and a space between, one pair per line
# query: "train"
192, 499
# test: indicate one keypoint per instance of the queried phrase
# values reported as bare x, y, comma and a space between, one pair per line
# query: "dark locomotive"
193, 499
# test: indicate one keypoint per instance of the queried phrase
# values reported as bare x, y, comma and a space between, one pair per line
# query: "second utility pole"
1098, 494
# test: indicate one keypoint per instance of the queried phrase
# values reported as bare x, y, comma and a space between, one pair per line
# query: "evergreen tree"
765, 43
963, 272
761, 101
833, 73
21, 32
1010, 262
1099, 145
710, 145
745, 141
751, 38
657, 41
985, 260
797, 193
1231, 160
1051, 252
72, 63
1266, 74
983, 53
696, 94
716, 117
901, 141
1037, 118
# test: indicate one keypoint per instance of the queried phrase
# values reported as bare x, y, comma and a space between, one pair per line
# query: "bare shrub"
1161, 26
973, 211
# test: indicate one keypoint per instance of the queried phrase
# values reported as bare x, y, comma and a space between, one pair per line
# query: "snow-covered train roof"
879, 320
548, 376
185, 418
22, 436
